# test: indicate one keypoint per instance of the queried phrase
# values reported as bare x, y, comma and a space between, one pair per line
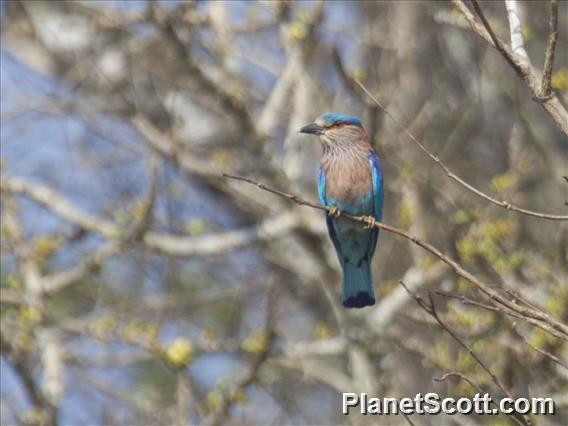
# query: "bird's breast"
348, 178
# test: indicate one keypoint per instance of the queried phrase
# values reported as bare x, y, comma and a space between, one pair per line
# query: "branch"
521, 64
183, 398
207, 170
24, 373
317, 371
550, 103
145, 410
546, 88
61, 279
515, 28
53, 382
547, 354
325, 347
57, 204
174, 245
455, 177
161, 143
232, 103
550, 323
266, 230
394, 302
500, 309
430, 309
218, 416
461, 376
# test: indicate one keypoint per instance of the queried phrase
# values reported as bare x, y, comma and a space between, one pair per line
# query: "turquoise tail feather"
358, 290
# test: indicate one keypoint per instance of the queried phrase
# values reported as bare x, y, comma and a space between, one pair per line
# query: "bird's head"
336, 128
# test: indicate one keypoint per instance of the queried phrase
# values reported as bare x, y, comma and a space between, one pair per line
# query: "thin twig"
499, 309
461, 376
455, 177
430, 308
407, 418
547, 354
549, 323
516, 296
464, 378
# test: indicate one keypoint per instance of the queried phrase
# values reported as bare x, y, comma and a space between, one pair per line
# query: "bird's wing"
378, 196
321, 187
330, 225
377, 176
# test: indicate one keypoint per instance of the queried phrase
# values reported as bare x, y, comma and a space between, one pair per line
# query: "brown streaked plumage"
346, 165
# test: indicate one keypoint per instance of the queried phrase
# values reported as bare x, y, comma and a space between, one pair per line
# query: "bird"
350, 181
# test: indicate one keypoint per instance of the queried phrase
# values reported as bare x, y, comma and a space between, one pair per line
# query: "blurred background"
140, 287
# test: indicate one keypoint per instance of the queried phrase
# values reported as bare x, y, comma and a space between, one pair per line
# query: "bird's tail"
357, 285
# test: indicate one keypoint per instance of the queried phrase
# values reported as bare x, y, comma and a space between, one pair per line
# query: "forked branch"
452, 175
546, 321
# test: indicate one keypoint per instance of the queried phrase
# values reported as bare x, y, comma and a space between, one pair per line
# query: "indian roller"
350, 180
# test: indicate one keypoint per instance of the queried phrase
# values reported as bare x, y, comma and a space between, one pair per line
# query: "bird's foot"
369, 222
334, 212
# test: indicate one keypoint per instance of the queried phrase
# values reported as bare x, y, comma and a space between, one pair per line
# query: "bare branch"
95, 380
549, 322
218, 416
49, 198
461, 376
515, 28
522, 63
207, 170
501, 309
550, 103
59, 280
232, 103
53, 383
455, 177
183, 399
266, 230
395, 301
314, 369
166, 243
546, 88
24, 373
162, 144
540, 351
430, 308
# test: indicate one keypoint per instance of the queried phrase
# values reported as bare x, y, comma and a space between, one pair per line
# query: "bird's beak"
312, 128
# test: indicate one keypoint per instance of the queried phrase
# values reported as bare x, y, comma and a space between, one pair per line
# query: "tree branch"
546, 87
461, 376
24, 372
430, 309
540, 351
219, 415
455, 177
394, 302
515, 28
548, 322
500, 309
174, 245
550, 103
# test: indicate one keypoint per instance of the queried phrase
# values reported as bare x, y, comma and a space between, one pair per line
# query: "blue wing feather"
378, 197
330, 227
321, 187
